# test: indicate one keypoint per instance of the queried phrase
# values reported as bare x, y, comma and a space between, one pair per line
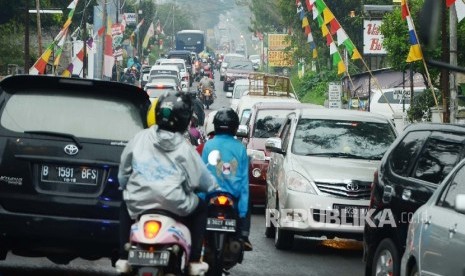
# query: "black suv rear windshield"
72, 113
346, 139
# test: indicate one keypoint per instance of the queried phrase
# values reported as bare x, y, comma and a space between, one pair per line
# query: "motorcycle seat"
164, 213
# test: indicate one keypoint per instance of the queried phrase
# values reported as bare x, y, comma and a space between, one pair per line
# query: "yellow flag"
304, 22
341, 68
415, 53
327, 15
324, 30
315, 53
356, 54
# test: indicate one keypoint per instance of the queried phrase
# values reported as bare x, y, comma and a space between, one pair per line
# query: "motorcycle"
206, 96
158, 245
223, 248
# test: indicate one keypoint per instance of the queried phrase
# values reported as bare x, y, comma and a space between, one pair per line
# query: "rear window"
155, 92
397, 97
344, 139
180, 65
68, 112
238, 90
268, 122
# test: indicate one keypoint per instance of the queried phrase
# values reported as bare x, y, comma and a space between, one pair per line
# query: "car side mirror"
242, 131
229, 95
460, 203
274, 144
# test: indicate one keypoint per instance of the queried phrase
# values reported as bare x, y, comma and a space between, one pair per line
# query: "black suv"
60, 145
410, 171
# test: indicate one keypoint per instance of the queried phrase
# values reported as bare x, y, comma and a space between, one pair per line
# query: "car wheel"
269, 230
414, 270
386, 260
283, 239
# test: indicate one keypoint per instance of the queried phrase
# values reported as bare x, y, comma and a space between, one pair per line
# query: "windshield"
180, 65
155, 92
163, 79
80, 115
336, 138
240, 65
239, 90
268, 122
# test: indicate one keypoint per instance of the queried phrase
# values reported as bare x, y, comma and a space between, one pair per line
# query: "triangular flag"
39, 67
356, 54
460, 8
307, 30
349, 46
324, 30
150, 33
449, 3
332, 48
334, 26
414, 53
309, 5
314, 53
73, 4
327, 15
329, 39
404, 8
302, 14
341, 36
305, 22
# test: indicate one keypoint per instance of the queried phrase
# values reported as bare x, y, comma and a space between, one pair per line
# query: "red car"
265, 121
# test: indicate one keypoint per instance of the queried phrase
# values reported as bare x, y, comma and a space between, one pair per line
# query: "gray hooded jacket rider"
161, 170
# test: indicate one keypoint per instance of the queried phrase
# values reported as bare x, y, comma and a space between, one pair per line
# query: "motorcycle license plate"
143, 257
226, 225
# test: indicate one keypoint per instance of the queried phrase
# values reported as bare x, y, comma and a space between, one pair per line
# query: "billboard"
280, 59
278, 42
372, 38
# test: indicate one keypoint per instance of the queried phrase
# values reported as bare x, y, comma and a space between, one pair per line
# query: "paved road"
308, 257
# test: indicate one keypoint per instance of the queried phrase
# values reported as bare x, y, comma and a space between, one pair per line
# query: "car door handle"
427, 221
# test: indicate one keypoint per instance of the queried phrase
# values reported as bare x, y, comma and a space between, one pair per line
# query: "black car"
410, 171
60, 145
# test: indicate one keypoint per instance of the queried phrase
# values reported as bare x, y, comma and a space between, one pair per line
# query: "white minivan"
398, 99
181, 64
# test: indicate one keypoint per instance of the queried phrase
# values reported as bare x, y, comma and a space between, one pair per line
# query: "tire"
215, 260
283, 239
386, 260
270, 231
414, 271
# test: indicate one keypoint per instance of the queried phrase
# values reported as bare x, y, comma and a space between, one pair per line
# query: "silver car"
320, 173
436, 237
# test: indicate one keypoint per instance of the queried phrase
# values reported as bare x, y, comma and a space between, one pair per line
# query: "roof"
342, 114
285, 105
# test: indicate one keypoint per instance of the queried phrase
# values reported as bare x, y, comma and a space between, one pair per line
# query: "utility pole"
104, 20
444, 79
84, 41
26, 39
453, 62
39, 32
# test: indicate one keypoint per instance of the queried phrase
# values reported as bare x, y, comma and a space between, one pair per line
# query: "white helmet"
208, 125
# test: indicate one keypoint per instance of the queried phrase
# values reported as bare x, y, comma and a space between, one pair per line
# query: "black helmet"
174, 111
226, 121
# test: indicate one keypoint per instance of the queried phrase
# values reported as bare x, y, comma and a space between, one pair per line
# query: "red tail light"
221, 201
151, 229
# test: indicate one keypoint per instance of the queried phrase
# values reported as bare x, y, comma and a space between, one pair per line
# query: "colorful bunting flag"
415, 53
39, 66
459, 8
150, 33
109, 59
305, 22
328, 16
309, 5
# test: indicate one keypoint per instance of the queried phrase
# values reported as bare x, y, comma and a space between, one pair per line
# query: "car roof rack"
261, 84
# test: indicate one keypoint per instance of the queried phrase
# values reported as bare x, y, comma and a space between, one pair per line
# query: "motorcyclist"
149, 180
207, 83
226, 158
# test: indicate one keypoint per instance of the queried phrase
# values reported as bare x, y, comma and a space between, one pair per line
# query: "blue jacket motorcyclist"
226, 158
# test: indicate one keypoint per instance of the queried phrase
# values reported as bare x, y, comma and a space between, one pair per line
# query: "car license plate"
226, 225
143, 257
350, 211
69, 174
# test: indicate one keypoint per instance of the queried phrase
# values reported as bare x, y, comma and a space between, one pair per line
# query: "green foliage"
313, 86
11, 49
420, 109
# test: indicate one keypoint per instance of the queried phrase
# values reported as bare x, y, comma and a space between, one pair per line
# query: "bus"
192, 40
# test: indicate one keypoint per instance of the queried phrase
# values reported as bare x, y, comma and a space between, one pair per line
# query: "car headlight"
296, 182
256, 154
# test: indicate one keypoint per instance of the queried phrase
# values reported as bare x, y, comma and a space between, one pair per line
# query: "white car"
398, 99
241, 88
185, 77
320, 173
436, 236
